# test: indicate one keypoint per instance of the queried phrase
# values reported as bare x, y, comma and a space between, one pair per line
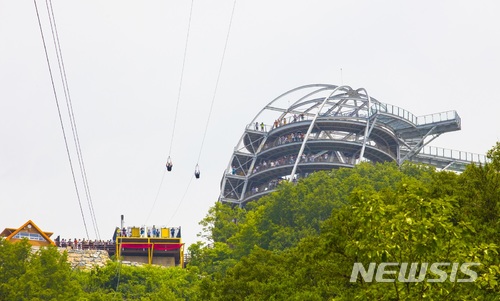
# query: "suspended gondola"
197, 171
169, 164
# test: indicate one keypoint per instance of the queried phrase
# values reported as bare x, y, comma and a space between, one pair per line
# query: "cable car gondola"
197, 171
169, 164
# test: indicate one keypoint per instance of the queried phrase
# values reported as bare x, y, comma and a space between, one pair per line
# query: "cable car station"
149, 245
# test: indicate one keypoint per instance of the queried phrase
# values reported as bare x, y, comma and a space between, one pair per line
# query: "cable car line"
180, 87
60, 118
181, 201
216, 87
169, 163
197, 168
156, 197
69, 105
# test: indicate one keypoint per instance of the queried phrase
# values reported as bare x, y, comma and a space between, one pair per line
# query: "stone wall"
86, 259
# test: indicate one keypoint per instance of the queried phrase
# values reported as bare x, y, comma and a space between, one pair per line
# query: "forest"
302, 241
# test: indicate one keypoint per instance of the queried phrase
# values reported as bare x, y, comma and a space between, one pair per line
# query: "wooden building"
30, 231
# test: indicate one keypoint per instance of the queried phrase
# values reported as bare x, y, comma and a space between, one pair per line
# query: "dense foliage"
301, 242
46, 275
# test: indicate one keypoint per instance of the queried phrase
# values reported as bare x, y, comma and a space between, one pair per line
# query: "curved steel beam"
367, 125
309, 130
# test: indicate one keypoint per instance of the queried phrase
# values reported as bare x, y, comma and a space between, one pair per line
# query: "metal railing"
417, 120
286, 139
453, 154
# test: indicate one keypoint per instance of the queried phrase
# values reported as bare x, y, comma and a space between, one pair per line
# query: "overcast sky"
123, 62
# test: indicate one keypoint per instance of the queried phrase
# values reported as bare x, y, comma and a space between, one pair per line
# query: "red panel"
136, 246
167, 247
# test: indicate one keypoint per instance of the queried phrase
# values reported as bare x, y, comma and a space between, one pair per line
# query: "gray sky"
123, 62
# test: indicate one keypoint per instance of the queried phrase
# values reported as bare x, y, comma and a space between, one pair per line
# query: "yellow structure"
151, 250
165, 232
30, 231
136, 232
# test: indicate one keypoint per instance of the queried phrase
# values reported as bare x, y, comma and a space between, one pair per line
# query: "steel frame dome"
321, 127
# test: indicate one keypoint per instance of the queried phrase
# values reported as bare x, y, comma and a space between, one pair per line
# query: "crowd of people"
293, 118
285, 160
88, 244
265, 187
279, 122
289, 160
150, 232
292, 137
83, 244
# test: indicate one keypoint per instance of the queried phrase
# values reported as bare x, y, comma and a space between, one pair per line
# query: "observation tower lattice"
322, 127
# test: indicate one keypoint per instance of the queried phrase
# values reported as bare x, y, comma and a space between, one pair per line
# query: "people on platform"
143, 231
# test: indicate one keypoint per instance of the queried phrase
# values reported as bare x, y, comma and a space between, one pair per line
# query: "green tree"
494, 156
378, 214
281, 219
41, 275
479, 196
221, 222
119, 282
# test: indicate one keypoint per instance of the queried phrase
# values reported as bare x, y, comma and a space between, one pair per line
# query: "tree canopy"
302, 242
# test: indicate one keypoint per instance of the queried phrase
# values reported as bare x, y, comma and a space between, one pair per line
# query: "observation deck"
321, 127
151, 250
162, 246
